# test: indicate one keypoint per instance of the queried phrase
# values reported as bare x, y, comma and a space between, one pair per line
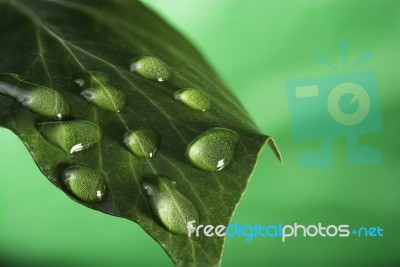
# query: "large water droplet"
40, 99
169, 205
142, 142
98, 91
193, 98
84, 183
213, 150
150, 68
71, 136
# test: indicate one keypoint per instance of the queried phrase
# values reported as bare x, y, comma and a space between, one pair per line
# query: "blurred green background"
256, 46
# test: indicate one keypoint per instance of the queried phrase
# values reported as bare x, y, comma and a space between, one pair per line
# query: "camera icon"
343, 105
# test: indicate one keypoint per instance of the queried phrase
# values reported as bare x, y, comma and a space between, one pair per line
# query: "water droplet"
150, 68
84, 183
71, 136
40, 99
213, 150
193, 98
99, 92
172, 208
88, 77
142, 142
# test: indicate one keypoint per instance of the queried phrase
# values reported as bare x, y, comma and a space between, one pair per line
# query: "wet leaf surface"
78, 77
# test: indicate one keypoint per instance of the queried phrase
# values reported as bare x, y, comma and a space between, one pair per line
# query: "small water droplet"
172, 208
193, 98
142, 142
150, 68
39, 99
84, 183
70, 136
98, 91
213, 150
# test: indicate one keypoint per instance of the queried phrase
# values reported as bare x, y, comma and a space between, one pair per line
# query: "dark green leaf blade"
48, 44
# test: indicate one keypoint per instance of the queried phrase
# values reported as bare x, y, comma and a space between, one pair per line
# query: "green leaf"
92, 88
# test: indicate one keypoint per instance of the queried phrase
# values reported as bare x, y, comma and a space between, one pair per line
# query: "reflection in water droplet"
150, 68
213, 150
169, 205
220, 164
40, 99
76, 148
84, 183
70, 136
193, 98
99, 92
142, 142
80, 82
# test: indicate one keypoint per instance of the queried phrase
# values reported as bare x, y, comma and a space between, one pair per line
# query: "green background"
256, 46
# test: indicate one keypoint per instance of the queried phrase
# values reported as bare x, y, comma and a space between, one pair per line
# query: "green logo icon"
339, 105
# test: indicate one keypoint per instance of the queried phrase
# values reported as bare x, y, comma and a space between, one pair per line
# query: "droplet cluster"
211, 151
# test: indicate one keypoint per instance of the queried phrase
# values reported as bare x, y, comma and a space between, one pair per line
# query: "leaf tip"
272, 144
